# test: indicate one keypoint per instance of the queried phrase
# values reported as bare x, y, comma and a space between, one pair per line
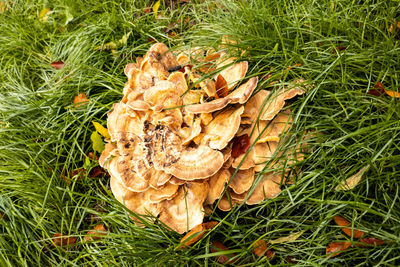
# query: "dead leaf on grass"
197, 233
260, 248
335, 248
352, 181
61, 240
98, 232
369, 241
80, 99
57, 64
348, 230
286, 239
101, 130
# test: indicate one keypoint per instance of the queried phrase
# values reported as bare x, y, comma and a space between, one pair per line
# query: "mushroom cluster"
178, 137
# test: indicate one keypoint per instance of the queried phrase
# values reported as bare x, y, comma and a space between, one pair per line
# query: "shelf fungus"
183, 137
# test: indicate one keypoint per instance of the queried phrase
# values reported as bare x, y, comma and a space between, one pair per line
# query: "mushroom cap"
161, 53
196, 163
162, 147
268, 187
192, 97
255, 105
178, 78
138, 105
122, 168
195, 130
185, 210
217, 185
273, 129
235, 73
166, 192
248, 161
109, 151
206, 118
277, 100
242, 180
243, 93
163, 92
133, 201
119, 121
223, 128
208, 107
171, 118
263, 153
158, 179
224, 203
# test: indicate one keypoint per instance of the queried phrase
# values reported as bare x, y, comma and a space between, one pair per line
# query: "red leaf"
97, 233
57, 64
218, 246
60, 240
221, 86
240, 145
370, 241
147, 10
348, 230
337, 49
336, 248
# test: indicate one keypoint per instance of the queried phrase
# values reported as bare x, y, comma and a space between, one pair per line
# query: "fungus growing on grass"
181, 141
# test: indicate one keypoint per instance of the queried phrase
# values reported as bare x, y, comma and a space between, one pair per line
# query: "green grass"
42, 135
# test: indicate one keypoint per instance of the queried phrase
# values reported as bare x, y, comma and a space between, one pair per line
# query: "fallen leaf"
3, 7
76, 174
394, 26
378, 90
97, 142
352, 181
61, 240
286, 239
348, 230
217, 246
98, 232
147, 10
156, 6
261, 249
101, 130
392, 93
96, 171
124, 38
221, 86
151, 40
338, 49
80, 100
197, 233
240, 145
294, 66
369, 241
291, 259
57, 65
44, 14
93, 156
336, 248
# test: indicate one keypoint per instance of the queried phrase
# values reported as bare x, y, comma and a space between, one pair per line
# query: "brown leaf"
98, 232
394, 26
348, 230
378, 90
392, 93
369, 241
261, 249
240, 145
338, 49
75, 174
96, 171
61, 240
57, 64
151, 40
336, 248
294, 66
221, 86
217, 246
93, 156
147, 10
196, 233
80, 100
352, 181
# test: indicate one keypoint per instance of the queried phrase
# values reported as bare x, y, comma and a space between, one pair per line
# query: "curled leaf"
101, 130
57, 64
286, 239
240, 145
352, 181
221, 86
261, 249
98, 232
392, 93
97, 142
197, 233
61, 240
348, 230
335, 248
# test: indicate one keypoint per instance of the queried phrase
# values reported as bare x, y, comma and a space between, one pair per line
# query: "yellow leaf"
155, 8
352, 181
101, 130
97, 142
290, 238
392, 93
124, 38
43, 15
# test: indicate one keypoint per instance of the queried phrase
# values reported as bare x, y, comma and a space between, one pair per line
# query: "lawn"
348, 50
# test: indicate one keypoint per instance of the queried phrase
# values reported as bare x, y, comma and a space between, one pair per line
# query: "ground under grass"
343, 47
